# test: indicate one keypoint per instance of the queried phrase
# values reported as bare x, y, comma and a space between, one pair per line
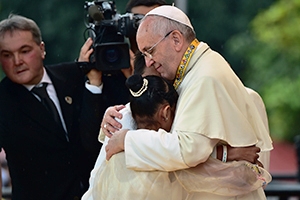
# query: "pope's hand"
115, 143
109, 124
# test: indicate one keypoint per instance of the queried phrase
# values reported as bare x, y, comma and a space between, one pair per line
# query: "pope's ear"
177, 39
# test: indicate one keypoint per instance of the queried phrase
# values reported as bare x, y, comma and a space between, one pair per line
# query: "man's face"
164, 59
21, 57
142, 9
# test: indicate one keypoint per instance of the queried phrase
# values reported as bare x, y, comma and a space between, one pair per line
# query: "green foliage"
280, 26
268, 49
61, 23
282, 98
271, 53
217, 21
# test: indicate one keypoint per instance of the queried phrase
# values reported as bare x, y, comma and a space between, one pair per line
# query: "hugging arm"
1, 181
249, 154
109, 123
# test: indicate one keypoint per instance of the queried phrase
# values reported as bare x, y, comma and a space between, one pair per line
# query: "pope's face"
159, 51
21, 57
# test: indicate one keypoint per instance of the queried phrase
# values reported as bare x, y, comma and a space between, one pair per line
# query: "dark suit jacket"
42, 163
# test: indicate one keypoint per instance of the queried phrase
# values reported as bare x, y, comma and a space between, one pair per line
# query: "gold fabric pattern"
184, 62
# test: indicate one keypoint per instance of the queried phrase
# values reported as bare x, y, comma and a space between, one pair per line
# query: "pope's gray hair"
165, 25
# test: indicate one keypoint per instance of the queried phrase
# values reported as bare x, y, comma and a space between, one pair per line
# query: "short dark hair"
139, 63
148, 3
148, 96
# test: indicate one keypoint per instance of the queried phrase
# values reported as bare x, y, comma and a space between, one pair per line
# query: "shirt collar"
45, 79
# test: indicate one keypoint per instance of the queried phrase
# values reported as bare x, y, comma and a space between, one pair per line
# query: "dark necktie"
41, 92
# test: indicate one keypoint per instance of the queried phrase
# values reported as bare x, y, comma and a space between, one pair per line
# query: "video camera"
108, 31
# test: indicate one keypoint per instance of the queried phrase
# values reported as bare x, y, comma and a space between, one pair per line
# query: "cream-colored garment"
224, 179
264, 156
219, 103
112, 180
222, 109
213, 105
115, 181
127, 123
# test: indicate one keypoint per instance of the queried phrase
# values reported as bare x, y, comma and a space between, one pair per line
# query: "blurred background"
260, 40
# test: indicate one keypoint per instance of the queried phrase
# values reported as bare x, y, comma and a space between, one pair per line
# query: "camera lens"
112, 54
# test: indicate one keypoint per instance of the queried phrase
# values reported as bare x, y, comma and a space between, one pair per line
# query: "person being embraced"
152, 106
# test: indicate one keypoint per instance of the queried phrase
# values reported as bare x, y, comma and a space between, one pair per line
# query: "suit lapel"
65, 99
33, 108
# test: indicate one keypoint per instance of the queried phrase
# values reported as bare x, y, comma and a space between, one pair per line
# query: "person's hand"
259, 164
94, 76
1, 181
249, 154
109, 124
86, 51
115, 143
129, 71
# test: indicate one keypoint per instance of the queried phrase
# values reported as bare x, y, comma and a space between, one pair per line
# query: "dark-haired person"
115, 81
141, 7
152, 107
43, 134
102, 176
130, 124
113, 179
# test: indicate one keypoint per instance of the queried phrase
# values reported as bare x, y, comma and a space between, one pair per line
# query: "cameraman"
141, 7
114, 83
114, 89
133, 6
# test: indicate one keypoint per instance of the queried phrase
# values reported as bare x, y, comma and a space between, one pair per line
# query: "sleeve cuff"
93, 88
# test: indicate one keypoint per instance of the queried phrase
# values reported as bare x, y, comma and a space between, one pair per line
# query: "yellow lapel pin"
68, 99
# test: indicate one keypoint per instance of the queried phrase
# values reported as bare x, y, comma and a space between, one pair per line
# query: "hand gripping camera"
108, 31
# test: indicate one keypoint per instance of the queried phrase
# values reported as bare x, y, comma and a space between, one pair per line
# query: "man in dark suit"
47, 159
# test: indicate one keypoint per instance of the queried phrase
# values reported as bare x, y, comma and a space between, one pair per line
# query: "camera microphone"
95, 13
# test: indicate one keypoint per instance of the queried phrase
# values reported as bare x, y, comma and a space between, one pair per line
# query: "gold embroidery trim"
184, 63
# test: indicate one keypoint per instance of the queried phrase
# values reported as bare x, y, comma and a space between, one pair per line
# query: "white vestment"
213, 106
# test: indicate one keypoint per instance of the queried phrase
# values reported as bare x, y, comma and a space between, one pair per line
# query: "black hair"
148, 3
139, 63
157, 91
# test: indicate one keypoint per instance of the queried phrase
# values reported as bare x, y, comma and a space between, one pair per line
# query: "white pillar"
182, 4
